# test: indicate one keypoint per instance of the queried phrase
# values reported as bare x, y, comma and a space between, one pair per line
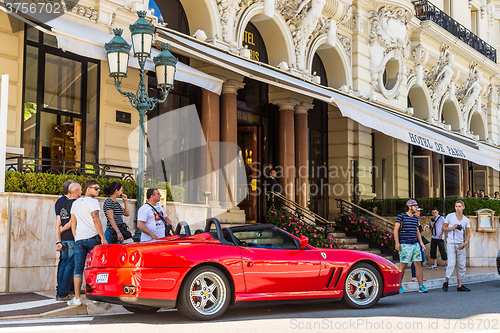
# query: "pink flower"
315, 236
282, 216
284, 229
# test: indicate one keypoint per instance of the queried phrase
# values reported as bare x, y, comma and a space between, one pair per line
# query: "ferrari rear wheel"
363, 286
141, 309
205, 294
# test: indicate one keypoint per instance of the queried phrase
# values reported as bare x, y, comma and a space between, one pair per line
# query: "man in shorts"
87, 229
408, 242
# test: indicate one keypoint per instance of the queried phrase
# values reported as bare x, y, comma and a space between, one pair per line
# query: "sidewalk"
43, 303
434, 278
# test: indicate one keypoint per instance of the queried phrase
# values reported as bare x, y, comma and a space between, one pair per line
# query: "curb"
88, 308
438, 283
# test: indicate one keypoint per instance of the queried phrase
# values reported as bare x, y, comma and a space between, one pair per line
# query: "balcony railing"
426, 11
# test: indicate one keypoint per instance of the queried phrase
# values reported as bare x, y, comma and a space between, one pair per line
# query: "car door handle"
249, 263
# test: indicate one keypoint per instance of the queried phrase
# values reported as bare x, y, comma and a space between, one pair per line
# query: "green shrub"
46, 183
285, 220
356, 224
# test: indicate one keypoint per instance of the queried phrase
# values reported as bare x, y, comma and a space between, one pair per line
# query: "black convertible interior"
256, 235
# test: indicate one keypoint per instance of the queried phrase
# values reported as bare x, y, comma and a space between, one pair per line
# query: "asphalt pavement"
435, 311
43, 304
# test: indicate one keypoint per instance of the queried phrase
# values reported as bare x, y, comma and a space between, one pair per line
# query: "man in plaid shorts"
407, 238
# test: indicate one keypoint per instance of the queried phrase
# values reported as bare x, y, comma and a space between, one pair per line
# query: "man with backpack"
437, 240
152, 220
409, 242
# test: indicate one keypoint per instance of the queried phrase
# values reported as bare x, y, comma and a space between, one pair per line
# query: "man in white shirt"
86, 226
455, 224
150, 217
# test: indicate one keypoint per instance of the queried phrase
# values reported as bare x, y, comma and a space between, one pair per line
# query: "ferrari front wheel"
363, 286
205, 294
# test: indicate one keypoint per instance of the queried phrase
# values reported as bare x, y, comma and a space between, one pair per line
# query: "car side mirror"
303, 242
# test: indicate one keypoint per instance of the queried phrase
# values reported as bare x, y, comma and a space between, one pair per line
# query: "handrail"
426, 11
348, 207
299, 210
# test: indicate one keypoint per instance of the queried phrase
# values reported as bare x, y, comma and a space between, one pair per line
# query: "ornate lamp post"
118, 52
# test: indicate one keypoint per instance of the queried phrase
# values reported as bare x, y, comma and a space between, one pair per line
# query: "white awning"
391, 123
89, 42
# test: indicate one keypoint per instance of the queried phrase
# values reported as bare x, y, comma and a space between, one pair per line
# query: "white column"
3, 128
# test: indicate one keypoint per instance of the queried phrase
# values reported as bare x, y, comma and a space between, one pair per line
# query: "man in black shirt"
272, 185
65, 244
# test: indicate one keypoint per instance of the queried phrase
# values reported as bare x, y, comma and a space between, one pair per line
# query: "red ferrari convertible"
202, 274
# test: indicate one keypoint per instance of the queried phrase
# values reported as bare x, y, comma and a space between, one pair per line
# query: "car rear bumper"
159, 303
151, 285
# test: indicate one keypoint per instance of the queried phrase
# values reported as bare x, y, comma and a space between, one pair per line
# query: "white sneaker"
433, 267
75, 302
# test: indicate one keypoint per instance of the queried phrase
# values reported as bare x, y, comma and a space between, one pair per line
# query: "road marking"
44, 328
27, 305
43, 321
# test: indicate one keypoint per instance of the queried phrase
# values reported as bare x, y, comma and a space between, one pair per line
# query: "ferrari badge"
323, 254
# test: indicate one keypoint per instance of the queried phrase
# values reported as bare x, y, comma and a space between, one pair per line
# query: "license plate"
102, 278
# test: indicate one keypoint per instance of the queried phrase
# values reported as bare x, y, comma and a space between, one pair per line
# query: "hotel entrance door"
248, 143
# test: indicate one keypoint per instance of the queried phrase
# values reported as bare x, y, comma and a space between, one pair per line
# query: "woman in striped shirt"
114, 211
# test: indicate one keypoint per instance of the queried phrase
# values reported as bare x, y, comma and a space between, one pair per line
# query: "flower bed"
367, 229
285, 220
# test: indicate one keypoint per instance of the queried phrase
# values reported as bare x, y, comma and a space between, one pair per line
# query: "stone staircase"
353, 244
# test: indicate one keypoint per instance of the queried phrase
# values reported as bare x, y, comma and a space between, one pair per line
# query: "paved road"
435, 311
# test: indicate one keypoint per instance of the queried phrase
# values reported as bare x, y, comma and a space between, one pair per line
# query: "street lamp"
117, 53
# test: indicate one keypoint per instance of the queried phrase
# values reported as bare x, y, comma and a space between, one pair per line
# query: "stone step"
337, 234
232, 224
390, 258
346, 240
358, 246
374, 251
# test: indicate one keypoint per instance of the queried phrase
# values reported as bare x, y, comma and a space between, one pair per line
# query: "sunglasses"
96, 188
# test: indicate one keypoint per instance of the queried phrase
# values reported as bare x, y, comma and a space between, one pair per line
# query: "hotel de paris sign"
436, 146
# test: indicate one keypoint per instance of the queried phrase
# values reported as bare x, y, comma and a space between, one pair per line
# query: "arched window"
255, 43
171, 13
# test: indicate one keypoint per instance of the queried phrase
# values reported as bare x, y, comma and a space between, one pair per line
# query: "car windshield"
266, 238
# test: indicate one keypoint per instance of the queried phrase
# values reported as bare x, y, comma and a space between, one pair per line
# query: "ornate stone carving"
346, 44
419, 54
87, 12
308, 19
388, 28
439, 78
389, 45
468, 94
230, 12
